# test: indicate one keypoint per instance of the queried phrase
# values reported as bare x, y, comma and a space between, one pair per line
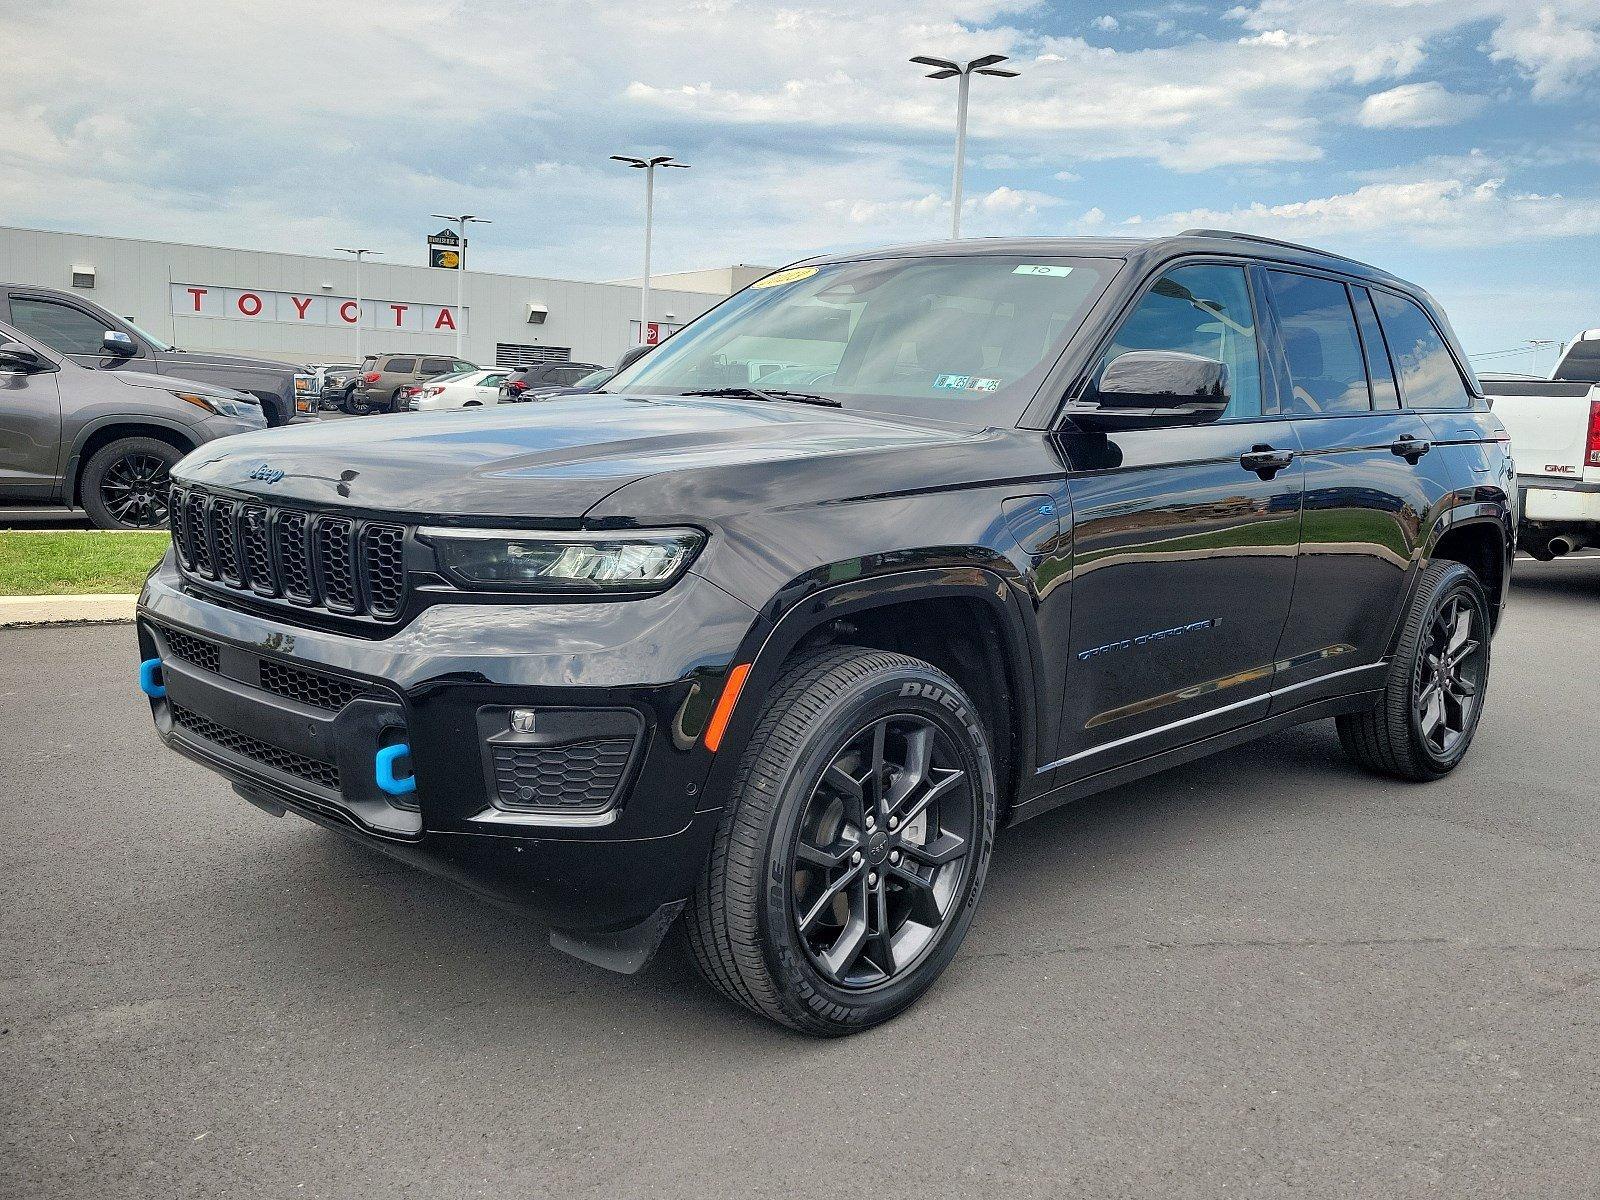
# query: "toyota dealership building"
302, 308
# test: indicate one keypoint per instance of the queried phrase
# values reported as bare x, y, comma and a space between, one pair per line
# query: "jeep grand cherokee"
888, 550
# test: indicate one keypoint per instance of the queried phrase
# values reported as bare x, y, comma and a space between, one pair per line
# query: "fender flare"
787, 621
74, 467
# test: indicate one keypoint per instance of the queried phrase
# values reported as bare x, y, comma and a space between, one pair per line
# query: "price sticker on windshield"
1042, 269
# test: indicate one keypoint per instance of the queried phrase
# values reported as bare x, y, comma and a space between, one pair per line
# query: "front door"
30, 433
1184, 543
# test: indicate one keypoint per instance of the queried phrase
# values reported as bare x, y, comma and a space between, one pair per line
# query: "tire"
1437, 660
124, 485
356, 404
394, 400
795, 882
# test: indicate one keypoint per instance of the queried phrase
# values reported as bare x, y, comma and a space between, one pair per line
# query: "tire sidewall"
1459, 581
801, 987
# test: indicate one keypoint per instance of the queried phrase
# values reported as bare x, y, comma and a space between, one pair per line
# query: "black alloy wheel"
1433, 695
126, 485
882, 850
1450, 675
853, 844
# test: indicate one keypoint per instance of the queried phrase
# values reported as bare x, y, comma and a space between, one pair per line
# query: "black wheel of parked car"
125, 484
356, 404
1435, 688
854, 846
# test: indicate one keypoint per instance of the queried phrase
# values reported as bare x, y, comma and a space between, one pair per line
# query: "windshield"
960, 338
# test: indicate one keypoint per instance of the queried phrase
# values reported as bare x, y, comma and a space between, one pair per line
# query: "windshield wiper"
769, 395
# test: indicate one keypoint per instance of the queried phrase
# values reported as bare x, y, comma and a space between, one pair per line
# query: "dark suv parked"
543, 379
93, 337
1047, 516
102, 440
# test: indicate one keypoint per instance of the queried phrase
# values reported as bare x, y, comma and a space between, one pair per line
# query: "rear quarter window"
401, 366
1429, 377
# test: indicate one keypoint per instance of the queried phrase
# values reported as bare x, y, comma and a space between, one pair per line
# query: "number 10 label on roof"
1041, 269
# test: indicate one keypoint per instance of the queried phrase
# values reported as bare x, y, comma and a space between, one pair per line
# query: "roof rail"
1256, 237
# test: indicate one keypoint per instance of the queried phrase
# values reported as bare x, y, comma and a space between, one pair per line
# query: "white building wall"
133, 278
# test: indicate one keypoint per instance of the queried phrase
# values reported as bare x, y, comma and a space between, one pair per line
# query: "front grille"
196, 651
310, 769
578, 777
309, 687
311, 560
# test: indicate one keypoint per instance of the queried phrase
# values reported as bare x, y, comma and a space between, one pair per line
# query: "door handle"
1265, 461
1410, 448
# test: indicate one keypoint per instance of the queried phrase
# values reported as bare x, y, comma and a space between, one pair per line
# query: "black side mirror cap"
631, 356
14, 356
1154, 389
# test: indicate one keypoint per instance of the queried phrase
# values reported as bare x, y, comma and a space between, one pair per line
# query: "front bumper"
595, 822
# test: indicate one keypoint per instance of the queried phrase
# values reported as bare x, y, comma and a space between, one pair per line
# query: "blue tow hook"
383, 769
150, 679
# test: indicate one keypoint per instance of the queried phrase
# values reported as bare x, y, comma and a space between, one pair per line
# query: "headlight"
515, 560
221, 405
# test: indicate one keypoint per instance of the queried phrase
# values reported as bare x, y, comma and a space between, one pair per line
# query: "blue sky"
1456, 143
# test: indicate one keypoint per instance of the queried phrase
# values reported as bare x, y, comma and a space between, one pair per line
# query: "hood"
172, 383
548, 462
201, 359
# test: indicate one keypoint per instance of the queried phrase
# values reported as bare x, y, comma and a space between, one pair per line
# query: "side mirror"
630, 356
118, 344
1153, 389
14, 356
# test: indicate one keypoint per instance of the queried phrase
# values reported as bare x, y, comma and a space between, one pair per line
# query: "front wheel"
125, 484
356, 404
853, 848
1433, 696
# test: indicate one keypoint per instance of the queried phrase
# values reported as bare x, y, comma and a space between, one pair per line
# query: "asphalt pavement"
1265, 974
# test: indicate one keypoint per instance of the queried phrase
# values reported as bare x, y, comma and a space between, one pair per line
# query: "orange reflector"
724, 710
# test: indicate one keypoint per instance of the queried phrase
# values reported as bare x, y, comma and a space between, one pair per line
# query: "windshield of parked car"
966, 337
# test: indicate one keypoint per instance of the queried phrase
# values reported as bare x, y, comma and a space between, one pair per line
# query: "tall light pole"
648, 166
462, 222
945, 69
359, 255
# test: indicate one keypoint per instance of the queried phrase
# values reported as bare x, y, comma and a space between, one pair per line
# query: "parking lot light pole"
462, 222
648, 166
945, 69
359, 255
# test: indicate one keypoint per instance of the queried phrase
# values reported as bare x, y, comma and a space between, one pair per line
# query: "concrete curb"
21, 611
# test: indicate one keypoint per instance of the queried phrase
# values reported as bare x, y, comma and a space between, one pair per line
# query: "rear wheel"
1433, 696
356, 404
853, 850
125, 484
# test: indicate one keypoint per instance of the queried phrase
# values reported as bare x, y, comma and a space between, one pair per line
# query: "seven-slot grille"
310, 560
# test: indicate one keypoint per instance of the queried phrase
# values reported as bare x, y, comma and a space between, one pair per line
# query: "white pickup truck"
1555, 438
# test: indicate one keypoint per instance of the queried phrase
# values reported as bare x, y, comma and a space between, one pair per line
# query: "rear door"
1183, 554
1373, 484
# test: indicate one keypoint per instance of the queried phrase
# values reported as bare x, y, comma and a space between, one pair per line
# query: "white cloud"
1107, 22
1438, 212
1554, 45
1417, 106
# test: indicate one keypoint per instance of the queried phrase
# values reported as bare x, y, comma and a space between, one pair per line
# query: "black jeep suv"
886, 551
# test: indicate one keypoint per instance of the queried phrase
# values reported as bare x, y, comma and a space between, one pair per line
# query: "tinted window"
402, 366
1205, 310
1379, 369
1581, 361
1326, 370
1428, 375
59, 326
436, 366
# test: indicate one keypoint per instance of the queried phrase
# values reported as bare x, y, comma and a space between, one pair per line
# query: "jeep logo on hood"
266, 474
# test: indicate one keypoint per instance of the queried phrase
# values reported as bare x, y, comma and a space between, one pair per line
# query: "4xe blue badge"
266, 474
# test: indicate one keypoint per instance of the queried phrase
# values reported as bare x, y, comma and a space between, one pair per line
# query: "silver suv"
102, 440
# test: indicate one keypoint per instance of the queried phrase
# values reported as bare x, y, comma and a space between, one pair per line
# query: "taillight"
370, 377
433, 391
516, 385
1591, 455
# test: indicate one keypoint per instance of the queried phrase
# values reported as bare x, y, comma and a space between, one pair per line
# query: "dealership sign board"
300, 308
